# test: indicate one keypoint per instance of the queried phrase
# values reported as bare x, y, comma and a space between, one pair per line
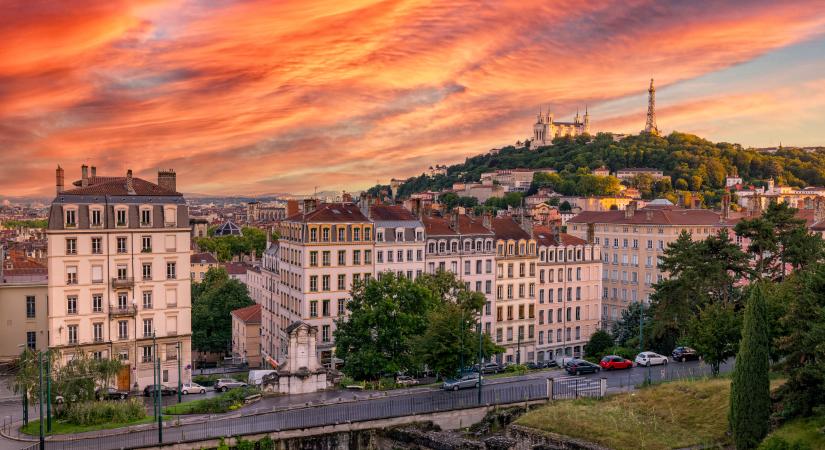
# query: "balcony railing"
121, 312
126, 282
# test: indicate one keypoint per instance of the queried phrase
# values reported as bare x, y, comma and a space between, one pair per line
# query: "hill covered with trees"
693, 164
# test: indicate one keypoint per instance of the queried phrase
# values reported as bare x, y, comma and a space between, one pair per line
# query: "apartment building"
277, 312
399, 241
199, 264
464, 245
515, 302
22, 308
118, 253
246, 335
323, 251
632, 242
569, 293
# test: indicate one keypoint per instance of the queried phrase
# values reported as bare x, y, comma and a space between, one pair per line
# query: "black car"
111, 393
532, 365
580, 366
491, 368
684, 354
150, 390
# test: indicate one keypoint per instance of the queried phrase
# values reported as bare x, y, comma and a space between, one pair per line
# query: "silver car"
469, 380
192, 388
225, 384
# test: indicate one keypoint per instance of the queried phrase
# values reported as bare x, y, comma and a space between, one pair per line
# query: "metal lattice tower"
650, 125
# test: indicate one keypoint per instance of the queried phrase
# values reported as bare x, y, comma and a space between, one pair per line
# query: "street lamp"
179, 381
40, 395
157, 379
642, 336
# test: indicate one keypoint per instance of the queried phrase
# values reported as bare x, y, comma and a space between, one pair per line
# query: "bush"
243, 444
778, 443
100, 412
599, 344
228, 401
266, 443
519, 369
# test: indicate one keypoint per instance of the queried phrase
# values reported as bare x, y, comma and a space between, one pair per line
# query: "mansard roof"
117, 186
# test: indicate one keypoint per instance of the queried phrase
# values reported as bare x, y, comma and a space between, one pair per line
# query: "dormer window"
146, 217
120, 217
367, 233
399, 236
356, 234
379, 236
71, 218
169, 219
96, 218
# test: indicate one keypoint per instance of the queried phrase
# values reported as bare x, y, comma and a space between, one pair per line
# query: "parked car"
150, 390
192, 388
405, 380
491, 368
580, 366
225, 384
684, 354
111, 393
532, 365
549, 364
469, 380
650, 359
613, 362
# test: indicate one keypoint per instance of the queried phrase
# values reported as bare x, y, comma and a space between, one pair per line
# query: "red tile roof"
507, 228
440, 226
544, 236
117, 186
391, 212
331, 212
202, 258
249, 314
651, 216
235, 268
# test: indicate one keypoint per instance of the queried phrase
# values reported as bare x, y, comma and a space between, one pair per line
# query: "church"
545, 129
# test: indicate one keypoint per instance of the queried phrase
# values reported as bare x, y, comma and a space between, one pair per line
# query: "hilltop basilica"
545, 129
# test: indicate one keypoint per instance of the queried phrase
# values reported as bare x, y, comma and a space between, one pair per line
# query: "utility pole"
480, 364
518, 348
40, 395
179, 381
48, 391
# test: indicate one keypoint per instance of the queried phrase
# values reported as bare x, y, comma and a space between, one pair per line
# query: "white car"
650, 359
405, 380
192, 388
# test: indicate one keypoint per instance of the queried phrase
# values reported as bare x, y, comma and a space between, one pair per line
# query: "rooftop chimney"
487, 220
94, 172
292, 208
591, 233
167, 180
59, 176
454, 221
697, 203
309, 205
84, 175
630, 209
130, 184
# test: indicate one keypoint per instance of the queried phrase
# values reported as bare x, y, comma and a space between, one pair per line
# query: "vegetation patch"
91, 416
209, 380
799, 434
225, 402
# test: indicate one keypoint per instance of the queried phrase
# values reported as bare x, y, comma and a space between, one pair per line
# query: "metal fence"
577, 387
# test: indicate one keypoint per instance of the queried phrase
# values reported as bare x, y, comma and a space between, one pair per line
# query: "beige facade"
246, 335
118, 253
22, 316
631, 243
275, 315
200, 263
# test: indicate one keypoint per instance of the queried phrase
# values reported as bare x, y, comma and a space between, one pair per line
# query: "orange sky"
248, 97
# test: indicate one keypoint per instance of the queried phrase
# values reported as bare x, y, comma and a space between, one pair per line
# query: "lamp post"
179, 380
157, 379
48, 391
40, 397
480, 359
642, 336
518, 348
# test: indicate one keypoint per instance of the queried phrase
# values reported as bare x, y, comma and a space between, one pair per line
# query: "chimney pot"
59, 175
94, 171
130, 184
84, 175
167, 180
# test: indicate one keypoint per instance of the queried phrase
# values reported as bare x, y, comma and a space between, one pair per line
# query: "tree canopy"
213, 300
228, 247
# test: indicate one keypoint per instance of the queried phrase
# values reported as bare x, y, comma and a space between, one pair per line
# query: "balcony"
121, 283
128, 311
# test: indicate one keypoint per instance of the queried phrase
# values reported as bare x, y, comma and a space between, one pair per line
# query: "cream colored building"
515, 303
118, 254
200, 263
323, 250
569, 293
632, 242
246, 335
23, 300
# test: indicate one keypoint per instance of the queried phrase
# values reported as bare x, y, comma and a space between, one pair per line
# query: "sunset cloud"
248, 97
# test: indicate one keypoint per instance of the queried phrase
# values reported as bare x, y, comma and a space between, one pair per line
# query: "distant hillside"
693, 164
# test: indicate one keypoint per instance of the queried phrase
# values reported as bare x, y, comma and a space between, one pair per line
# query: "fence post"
550, 388
603, 387
577, 389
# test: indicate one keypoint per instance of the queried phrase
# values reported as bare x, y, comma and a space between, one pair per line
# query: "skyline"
252, 97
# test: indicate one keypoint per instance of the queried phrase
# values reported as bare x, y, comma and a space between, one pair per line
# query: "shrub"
100, 412
266, 443
778, 443
228, 401
519, 369
243, 444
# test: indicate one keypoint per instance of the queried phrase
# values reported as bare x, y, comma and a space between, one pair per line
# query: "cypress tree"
750, 399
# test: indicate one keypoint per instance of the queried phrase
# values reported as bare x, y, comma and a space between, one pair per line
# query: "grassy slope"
808, 430
671, 415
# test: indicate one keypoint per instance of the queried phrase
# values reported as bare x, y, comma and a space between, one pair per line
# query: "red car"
610, 362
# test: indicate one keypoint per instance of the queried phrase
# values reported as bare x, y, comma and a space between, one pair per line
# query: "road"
340, 406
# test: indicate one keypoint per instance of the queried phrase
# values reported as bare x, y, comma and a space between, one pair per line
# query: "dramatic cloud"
261, 96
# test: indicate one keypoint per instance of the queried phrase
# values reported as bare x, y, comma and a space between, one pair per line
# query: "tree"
714, 334
626, 330
449, 200
750, 396
384, 316
600, 342
565, 206
213, 301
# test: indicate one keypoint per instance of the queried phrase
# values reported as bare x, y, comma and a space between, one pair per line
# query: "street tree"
599, 344
213, 301
714, 334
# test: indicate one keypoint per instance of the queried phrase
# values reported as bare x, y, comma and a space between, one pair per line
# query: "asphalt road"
352, 404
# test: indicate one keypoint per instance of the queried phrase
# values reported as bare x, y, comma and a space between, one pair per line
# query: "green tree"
565, 206
714, 334
449, 200
626, 330
599, 344
750, 396
213, 301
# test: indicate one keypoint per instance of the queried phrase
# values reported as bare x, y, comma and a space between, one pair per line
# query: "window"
171, 271
326, 259
146, 244
325, 332
97, 332
147, 271
71, 275
120, 217
122, 300
72, 334
341, 306
313, 283
96, 218
356, 257
121, 245
147, 353
313, 259
71, 218
71, 304
356, 234
498, 334
147, 299
379, 257
325, 283
313, 235
341, 234
325, 308
488, 286
30, 307
71, 246
367, 256
97, 245
147, 328
123, 329
31, 340
313, 308
97, 303
145, 217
